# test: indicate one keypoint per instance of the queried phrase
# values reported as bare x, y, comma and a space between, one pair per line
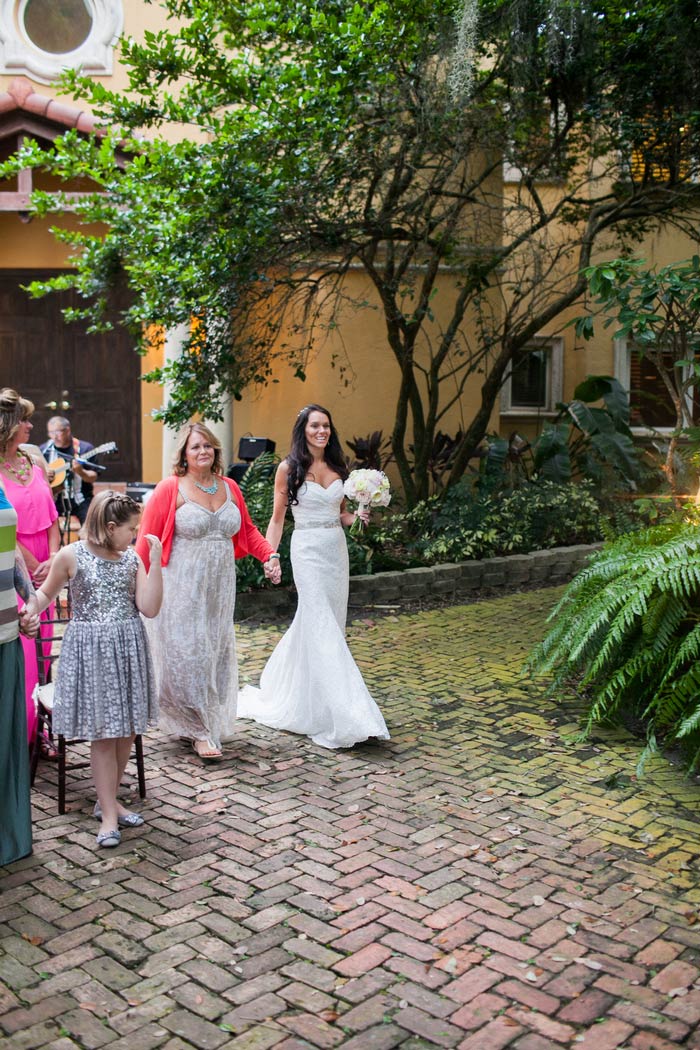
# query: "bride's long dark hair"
300, 459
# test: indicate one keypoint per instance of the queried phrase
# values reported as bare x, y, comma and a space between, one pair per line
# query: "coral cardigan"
159, 519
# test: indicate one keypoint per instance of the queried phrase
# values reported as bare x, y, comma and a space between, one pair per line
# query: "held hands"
28, 622
41, 571
155, 548
273, 570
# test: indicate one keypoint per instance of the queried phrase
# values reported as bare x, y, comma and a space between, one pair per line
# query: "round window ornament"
57, 26
43, 38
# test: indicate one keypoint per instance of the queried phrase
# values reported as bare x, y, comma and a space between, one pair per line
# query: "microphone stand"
66, 507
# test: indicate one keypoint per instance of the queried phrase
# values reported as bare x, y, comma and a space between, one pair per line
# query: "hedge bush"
463, 523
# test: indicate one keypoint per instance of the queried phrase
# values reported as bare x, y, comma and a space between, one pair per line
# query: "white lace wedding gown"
311, 685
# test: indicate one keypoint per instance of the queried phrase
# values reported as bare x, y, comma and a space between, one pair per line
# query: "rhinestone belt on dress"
335, 524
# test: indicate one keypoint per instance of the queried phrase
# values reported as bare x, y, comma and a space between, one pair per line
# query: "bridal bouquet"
367, 488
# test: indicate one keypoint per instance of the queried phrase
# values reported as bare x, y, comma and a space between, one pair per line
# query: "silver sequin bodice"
104, 591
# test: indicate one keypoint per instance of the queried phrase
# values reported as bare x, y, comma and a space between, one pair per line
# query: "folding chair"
44, 702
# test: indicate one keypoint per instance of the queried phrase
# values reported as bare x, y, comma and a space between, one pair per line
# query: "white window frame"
622, 355
19, 54
555, 376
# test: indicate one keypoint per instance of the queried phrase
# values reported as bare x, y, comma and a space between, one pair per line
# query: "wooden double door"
42, 356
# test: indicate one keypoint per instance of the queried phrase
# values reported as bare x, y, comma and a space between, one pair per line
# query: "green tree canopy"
274, 145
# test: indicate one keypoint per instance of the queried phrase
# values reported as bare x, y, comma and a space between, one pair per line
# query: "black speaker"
250, 448
138, 489
236, 471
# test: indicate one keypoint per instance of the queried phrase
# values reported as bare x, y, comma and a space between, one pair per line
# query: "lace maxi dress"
311, 685
192, 638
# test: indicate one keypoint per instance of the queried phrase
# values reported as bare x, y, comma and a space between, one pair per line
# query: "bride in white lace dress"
311, 685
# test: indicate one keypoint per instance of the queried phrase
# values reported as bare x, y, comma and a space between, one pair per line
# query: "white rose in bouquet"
367, 488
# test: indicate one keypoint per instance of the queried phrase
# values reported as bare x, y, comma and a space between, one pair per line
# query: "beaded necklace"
22, 472
209, 489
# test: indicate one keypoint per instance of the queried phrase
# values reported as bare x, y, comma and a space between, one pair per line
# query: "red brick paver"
482, 881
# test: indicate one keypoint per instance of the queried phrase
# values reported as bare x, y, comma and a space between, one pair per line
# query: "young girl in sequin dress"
104, 690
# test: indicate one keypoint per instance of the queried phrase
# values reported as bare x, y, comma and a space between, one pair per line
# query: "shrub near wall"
466, 523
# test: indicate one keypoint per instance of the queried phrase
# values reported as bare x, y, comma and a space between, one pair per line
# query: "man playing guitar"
77, 487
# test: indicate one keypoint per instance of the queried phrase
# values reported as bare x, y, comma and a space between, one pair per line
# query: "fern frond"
628, 627
677, 703
651, 749
618, 686
688, 650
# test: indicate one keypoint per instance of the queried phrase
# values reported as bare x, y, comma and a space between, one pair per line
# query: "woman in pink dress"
24, 482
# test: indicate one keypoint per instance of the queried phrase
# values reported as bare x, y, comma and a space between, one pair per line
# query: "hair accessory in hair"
119, 497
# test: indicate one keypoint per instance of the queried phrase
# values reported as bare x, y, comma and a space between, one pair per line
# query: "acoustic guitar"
59, 465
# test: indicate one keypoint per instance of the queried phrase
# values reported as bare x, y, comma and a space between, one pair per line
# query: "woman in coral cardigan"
203, 523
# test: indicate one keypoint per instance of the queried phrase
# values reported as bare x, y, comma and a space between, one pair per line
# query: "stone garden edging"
545, 568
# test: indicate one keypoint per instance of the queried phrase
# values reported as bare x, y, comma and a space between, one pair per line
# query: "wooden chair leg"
61, 774
36, 747
138, 745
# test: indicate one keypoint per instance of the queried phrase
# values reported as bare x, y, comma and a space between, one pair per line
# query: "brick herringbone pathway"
482, 881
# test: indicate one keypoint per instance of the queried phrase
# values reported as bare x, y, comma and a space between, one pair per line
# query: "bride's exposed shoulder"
282, 475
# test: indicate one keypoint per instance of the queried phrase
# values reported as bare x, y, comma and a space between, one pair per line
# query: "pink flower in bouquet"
367, 488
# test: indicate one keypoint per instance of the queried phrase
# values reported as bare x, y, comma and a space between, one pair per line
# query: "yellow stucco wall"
362, 398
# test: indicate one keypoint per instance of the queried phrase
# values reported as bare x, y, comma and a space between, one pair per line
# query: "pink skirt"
38, 544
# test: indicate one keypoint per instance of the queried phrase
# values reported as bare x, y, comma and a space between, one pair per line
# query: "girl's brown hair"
13, 411
106, 508
179, 461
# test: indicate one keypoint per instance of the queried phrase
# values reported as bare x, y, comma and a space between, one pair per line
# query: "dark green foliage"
628, 627
588, 439
621, 515
442, 456
257, 486
658, 312
362, 552
465, 523
369, 453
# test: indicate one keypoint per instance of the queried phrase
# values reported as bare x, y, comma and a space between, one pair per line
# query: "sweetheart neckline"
310, 481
